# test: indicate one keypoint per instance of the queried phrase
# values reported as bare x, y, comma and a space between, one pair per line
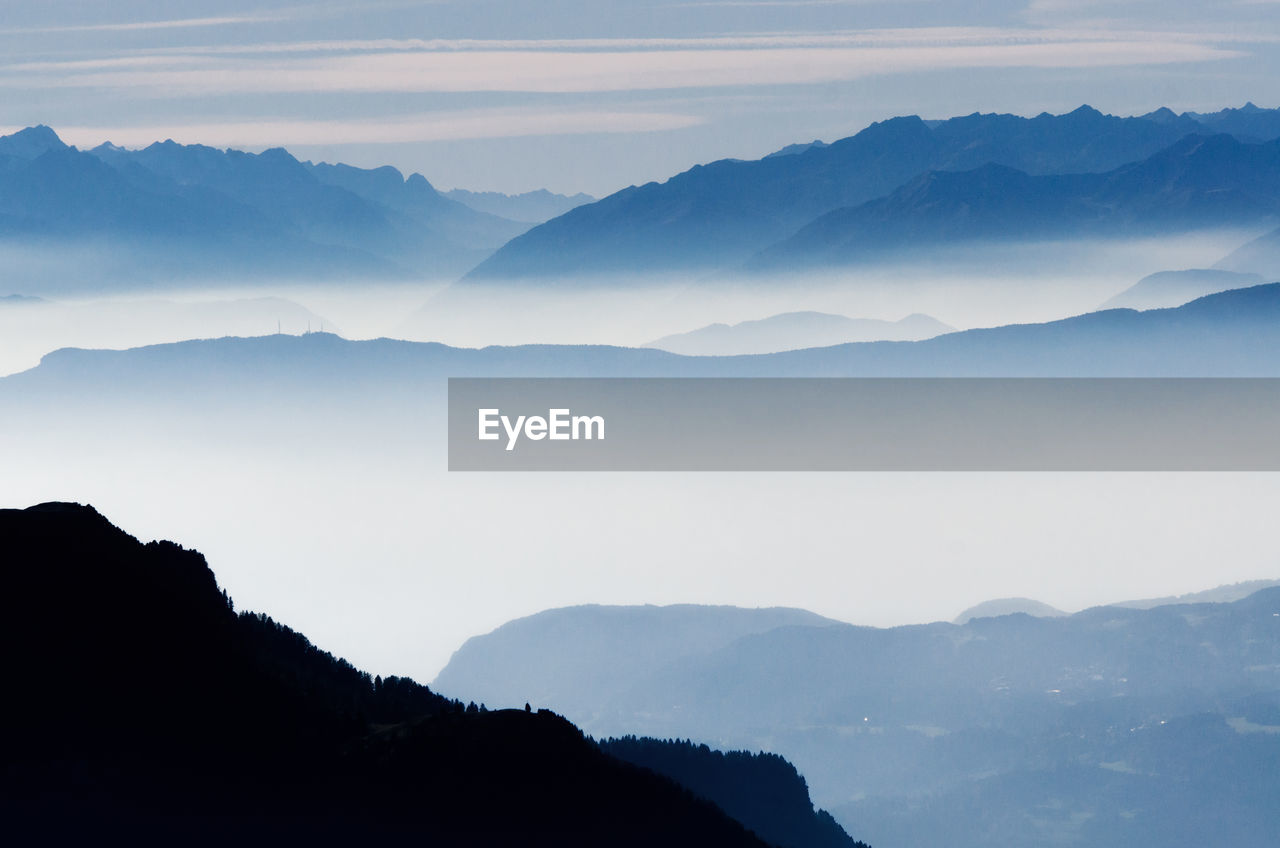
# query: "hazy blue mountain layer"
1109, 727
1260, 256
1234, 333
531, 207
1199, 182
717, 215
797, 330
1164, 289
606, 645
170, 212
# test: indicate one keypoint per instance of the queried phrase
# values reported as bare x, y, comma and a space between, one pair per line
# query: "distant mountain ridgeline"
1200, 182
1229, 334
532, 207
1111, 727
112, 218
795, 331
150, 711
172, 212
979, 176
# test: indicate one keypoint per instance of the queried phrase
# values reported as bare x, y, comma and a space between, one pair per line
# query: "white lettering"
559, 425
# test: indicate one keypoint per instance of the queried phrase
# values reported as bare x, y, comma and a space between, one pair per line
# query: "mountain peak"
31, 142
1163, 115
1085, 111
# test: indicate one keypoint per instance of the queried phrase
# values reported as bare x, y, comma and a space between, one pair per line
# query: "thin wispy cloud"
547, 70
439, 126
143, 26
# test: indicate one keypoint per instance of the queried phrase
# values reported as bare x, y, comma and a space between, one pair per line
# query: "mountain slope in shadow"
150, 711
718, 215
1199, 182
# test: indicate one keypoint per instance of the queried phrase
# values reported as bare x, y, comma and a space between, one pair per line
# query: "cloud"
142, 26
603, 68
439, 126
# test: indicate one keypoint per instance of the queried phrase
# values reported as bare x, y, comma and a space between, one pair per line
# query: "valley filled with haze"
242, 255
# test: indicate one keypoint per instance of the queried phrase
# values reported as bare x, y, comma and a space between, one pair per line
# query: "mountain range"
170, 214
1201, 182
1110, 727
152, 712
1165, 289
1229, 334
796, 330
193, 212
531, 207
718, 216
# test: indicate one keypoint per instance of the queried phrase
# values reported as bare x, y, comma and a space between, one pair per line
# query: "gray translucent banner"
793, 424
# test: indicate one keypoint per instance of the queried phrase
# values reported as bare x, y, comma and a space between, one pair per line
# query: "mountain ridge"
716, 216
152, 709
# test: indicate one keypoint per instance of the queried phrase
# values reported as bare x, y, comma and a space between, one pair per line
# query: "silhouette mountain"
1110, 727
150, 710
1218, 595
609, 645
763, 791
1247, 123
796, 330
532, 207
718, 215
1164, 289
176, 212
406, 222
1199, 182
1260, 256
1007, 606
1229, 334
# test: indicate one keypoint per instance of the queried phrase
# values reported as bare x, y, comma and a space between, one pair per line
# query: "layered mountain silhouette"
1230, 334
190, 211
1260, 256
796, 330
1173, 288
553, 650
1007, 606
1199, 182
717, 216
532, 207
1110, 727
763, 791
150, 711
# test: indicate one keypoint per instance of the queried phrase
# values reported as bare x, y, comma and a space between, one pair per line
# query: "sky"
595, 95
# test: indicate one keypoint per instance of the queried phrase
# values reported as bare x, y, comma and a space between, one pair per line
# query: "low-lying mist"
963, 288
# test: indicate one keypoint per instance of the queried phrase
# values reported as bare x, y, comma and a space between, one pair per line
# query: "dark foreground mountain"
718, 215
1111, 727
763, 791
150, 712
